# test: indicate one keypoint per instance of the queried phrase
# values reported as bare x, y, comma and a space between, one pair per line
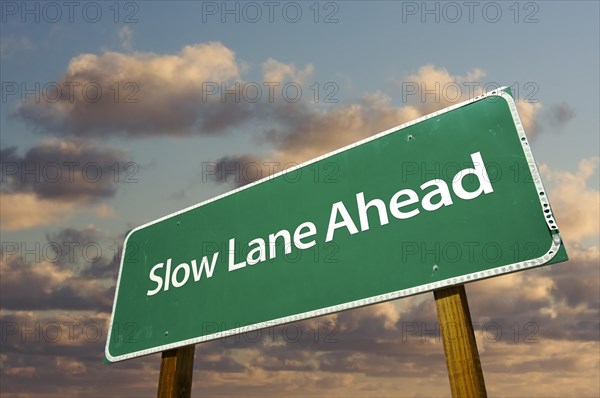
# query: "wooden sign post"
460, 347
176, 370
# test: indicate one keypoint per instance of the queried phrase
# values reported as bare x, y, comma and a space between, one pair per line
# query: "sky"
114, 114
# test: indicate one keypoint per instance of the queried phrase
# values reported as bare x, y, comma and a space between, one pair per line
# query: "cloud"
577, 286
559, 115
44, 286
62, 169
303, 132
200, 90
575, 203
528, 112
547, 368
94, 254
26, 210
52, 180
559, 302
62, 351
126, 36
299, 132
104, 211
11, 45
73, 269
141, 94
240, 170
275, 71
308, 132
433, 88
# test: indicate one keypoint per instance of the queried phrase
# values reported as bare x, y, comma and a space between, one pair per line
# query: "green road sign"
449, 198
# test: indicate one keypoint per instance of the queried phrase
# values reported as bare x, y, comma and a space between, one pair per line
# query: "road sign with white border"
449, 198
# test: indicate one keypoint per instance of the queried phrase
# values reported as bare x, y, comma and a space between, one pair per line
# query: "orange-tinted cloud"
138, 94
575, 202
26, 210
